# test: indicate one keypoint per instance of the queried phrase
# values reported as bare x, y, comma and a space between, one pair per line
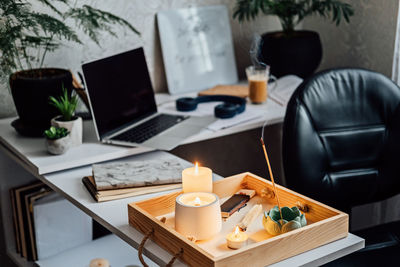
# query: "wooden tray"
325, 225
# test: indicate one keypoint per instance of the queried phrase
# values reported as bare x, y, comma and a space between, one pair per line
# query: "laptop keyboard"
149, 128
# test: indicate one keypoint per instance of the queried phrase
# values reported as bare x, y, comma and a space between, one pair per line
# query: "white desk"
33, 153
113, 214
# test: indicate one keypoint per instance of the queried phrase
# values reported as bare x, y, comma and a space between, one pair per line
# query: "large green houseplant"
26, 37
291, 51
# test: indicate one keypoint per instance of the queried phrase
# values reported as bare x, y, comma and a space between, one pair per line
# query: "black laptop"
123, 105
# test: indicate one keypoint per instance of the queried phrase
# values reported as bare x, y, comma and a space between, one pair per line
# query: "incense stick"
272, 176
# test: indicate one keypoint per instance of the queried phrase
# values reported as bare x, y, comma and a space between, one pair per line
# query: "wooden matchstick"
272, 176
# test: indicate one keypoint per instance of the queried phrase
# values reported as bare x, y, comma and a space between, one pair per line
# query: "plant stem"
18, 59
9, 25
28, 62
287, 25
45, 51
38, 55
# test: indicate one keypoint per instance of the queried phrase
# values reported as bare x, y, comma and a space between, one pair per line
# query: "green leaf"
93, 21
291, 12
56, 133
66, 105
24, 31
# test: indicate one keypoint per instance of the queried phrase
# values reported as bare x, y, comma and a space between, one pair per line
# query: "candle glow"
196, 168
236, 232
197, 201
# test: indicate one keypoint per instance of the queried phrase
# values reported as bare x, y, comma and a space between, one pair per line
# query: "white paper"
59, 226
285, 87
246, 116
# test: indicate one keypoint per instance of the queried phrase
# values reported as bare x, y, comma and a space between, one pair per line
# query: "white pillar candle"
237, 239
198, 215
197, 179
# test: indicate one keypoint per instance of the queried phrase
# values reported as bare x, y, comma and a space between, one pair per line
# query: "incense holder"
292, 219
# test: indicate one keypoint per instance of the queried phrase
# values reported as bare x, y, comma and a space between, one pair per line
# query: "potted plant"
26, 38
66, 106
57, 140
292, 51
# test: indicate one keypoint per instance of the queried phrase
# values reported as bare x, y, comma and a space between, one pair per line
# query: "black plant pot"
299, 53
31, 90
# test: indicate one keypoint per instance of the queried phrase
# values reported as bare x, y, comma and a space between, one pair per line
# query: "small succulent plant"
292, 219
54, 133
66, 105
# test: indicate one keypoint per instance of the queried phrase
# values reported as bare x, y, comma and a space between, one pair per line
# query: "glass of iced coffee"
257, 77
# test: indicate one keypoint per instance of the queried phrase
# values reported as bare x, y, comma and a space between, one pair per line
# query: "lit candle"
198, 215
197, 199
99, 263
197, 202
197, 179
236, 239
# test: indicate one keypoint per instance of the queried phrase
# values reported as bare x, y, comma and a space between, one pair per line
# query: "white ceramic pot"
58, 146
74, 127
199, 222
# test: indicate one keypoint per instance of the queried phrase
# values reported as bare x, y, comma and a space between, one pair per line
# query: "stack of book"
126, 179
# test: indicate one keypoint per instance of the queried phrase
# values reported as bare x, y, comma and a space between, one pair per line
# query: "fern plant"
292, 12
26, 35
54, 133
66, 105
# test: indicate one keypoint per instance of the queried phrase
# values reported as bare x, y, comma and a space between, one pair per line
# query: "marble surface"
138, 173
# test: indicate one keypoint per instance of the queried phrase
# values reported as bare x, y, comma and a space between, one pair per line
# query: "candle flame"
236, 231
196, 168
197, 201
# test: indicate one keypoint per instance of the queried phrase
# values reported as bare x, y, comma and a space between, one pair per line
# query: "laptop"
123, 106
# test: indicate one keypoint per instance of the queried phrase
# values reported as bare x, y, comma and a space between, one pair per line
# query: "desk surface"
32, 151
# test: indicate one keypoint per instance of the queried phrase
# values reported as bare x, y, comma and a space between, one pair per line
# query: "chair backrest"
341, 138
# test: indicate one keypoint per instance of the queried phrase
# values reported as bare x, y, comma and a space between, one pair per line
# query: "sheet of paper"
206, 109
59, 226
248, 115
285, 87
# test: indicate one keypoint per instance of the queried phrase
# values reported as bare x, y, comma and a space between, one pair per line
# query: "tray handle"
141, 246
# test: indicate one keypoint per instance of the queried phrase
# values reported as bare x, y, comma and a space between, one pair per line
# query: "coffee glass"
258, 83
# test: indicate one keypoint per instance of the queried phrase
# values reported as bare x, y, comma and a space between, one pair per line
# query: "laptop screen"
120, 90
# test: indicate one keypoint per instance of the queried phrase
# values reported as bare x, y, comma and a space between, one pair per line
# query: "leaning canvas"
197, 48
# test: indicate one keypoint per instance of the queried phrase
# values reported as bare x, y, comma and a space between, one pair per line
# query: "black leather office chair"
341, 146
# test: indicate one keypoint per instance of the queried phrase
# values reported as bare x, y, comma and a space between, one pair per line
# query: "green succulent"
292, 219
66, 105
54, 133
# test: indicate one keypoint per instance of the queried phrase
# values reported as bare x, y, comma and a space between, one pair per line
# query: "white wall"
367, 42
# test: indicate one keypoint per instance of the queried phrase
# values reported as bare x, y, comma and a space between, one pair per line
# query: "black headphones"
232, 104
